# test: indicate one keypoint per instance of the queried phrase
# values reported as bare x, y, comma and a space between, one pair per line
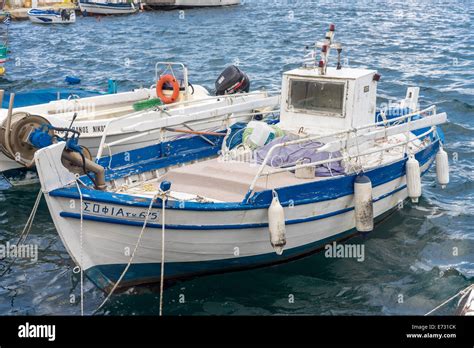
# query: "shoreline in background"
18, 9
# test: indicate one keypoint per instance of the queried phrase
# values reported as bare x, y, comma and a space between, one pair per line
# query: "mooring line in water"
131, 257
462, 292
26, 230
162, 275
81, 254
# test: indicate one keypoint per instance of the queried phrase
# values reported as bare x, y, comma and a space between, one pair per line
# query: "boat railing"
156, 112
381, 129
164, 130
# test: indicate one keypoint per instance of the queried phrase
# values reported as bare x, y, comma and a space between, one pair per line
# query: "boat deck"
217, 180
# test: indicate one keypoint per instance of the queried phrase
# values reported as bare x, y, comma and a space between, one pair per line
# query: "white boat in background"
163, 4
60, 16
121, 117
107, 7
329, 169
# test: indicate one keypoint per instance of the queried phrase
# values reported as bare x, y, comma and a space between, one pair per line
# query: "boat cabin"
327, 101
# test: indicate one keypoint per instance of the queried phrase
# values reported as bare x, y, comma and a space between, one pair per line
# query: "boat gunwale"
261, 199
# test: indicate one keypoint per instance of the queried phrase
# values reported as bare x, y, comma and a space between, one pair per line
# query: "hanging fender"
276, 225
442, 168
413, 177
363, 204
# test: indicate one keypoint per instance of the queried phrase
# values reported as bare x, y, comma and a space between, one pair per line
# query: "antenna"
325, 46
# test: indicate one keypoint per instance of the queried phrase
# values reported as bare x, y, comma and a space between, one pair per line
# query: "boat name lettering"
81, 129
107, 210
97, 129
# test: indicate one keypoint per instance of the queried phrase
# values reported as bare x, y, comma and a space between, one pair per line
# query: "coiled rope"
26, 230
462, 292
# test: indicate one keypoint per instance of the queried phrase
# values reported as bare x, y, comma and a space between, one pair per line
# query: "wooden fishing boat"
330, 168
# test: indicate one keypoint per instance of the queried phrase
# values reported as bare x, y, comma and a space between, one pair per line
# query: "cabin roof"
332, 73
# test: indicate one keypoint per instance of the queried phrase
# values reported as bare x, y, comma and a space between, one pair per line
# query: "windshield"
317, 96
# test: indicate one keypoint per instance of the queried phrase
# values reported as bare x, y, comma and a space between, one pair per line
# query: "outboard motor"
232, 80
65, 15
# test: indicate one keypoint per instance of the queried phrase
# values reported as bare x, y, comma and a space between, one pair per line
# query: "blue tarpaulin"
43, 96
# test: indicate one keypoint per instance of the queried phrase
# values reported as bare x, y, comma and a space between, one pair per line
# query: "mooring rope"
81, 253
162, 275
462, 292
26, 230
131, 257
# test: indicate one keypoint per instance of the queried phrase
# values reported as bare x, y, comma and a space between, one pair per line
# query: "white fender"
276, 225
363, 205
442, 168
413, 176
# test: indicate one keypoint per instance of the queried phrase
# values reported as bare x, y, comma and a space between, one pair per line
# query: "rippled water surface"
424, 253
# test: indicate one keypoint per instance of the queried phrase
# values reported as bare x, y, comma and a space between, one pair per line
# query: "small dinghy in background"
107, 7
328, 170
60, 16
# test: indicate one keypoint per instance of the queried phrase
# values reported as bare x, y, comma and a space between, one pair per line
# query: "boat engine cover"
232, 80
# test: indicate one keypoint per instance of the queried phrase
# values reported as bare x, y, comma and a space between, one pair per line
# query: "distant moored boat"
59, 16
105, 7
189, 3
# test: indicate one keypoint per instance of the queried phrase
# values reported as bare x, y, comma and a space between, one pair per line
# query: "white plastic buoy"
442, 168
413, 175
363, 205
276, 225
260, 133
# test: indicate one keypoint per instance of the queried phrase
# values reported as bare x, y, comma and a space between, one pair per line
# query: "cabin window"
317, 97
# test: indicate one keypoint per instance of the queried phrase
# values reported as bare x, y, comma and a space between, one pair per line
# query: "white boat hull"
52, 19
106, 9
191, 3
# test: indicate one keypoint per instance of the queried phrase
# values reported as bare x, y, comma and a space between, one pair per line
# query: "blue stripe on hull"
316, 191
197, 227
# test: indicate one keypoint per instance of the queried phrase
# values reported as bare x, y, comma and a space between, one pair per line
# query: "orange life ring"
159, 89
